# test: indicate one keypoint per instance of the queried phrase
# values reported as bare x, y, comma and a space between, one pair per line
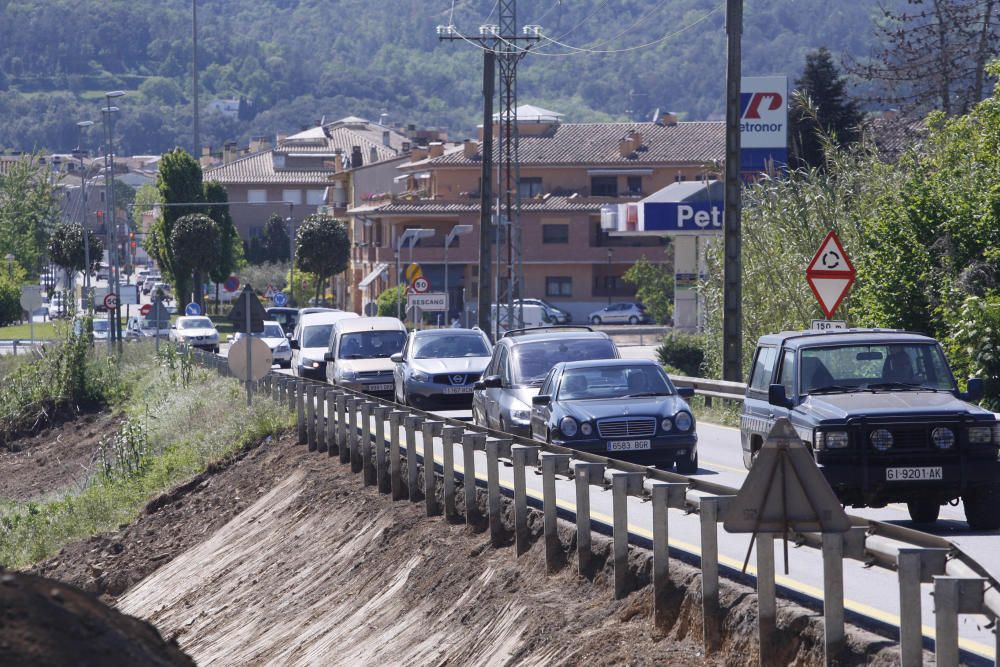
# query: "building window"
314, 197
555, 233
291, 196
558, 286
680, 177
603, 186
634, 185
529, 187
256, 196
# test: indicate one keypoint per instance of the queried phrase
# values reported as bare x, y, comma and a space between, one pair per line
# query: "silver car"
438, 367
274, 336
621, 313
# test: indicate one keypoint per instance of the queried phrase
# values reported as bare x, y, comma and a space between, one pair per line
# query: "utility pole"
732, 316
499, 44
194, 78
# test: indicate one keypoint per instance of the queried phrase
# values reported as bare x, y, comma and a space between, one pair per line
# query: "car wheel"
981, 507
924, 510
215, 350
633, 320
285, 364
686, 465
595, 320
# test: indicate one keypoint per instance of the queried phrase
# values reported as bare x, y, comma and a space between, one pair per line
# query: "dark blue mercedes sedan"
627, 409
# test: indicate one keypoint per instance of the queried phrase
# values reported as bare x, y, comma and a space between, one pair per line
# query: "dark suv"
883, 417
521, 360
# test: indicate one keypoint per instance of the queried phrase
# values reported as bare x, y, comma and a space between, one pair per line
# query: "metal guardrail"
329, 419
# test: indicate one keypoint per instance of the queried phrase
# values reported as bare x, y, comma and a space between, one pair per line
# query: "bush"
684, 352
974, 346
387, 301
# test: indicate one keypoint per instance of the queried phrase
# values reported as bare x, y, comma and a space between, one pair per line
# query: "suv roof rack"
524, 332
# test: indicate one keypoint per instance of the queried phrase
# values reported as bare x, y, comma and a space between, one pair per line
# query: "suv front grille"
629, 427
450, 378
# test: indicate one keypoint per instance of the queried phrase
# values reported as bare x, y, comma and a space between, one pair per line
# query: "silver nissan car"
438, 367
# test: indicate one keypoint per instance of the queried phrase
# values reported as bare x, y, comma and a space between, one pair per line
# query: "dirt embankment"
283, 557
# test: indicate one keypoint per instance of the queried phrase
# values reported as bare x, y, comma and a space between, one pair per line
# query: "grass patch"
724, 413
179, 419
43, 331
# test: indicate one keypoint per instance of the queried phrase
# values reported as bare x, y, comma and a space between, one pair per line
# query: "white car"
311, 339
274, 336
196, 331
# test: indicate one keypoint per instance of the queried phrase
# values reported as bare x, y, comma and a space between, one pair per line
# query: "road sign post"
830, 274
31, 300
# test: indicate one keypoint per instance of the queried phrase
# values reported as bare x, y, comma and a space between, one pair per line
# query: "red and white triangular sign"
830, 274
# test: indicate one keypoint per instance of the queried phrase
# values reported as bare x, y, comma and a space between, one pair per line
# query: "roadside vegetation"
178, 418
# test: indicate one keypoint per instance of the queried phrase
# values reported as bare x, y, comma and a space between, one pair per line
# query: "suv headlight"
683, 421
568, 426
420, 376
943, 437
981, 435
830, 440
881, 439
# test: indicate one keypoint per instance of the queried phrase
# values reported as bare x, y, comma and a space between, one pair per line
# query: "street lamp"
79, 153
611, 252
456, 231
115, 329
409, 236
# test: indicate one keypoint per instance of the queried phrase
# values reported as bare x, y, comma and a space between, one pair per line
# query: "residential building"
568, 172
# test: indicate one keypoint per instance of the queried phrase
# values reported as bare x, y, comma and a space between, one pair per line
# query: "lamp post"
456, 231
291, 257
411, 236
79, 154
10, 266
610, 253
109, 181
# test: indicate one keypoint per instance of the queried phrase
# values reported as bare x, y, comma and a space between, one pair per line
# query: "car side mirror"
776, 396
478, 385
541, 399
328, 356
294, 344
397, 358
973, 391
685, 392
492, 382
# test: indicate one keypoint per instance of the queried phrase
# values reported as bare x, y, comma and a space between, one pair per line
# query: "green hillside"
296, 61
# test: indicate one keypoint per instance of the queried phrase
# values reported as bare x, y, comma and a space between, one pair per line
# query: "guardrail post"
470, 443
953, 596
282, 391
585, 474
913, 567
300, 410
381, 474
276, 389
833, 597
367, 467
410, 423
767, 602
522, 455
495, 448
311, 416
353, 437
664, 496
292, 383
324, 419
623, 484
429, 430
342, 445
552, 465
711, 509
449, 436
396, 418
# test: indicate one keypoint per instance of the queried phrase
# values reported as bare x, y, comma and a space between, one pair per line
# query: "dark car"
623, 408
883, 417
288, 318
520, 363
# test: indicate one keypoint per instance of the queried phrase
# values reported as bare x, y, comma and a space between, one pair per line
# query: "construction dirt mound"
44, 623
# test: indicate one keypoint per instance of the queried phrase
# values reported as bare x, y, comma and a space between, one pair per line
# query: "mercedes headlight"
943, 437
420, 376
667, 425
683, 421
881, 439
568, 426
586, 428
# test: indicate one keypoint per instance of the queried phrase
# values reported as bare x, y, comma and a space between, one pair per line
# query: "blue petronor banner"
763, 126
702, 217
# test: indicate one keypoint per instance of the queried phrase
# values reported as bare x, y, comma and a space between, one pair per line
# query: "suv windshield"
371, 344
873, 367
532, 361
317, 335
450, 347
196, 323
613, 382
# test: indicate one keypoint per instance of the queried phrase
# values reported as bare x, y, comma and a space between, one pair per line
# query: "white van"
534, 316
310, 340
358, 356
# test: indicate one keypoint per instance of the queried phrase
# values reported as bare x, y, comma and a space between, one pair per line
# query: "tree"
322, 247
654, 287
934, 54
178, 182
66, 247
821, 111
274, 242
12, 277
28, 206
196, 245
231, 247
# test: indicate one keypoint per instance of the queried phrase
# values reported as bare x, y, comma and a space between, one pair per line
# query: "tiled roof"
258, 168
442, 207
345, 137
597, 144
